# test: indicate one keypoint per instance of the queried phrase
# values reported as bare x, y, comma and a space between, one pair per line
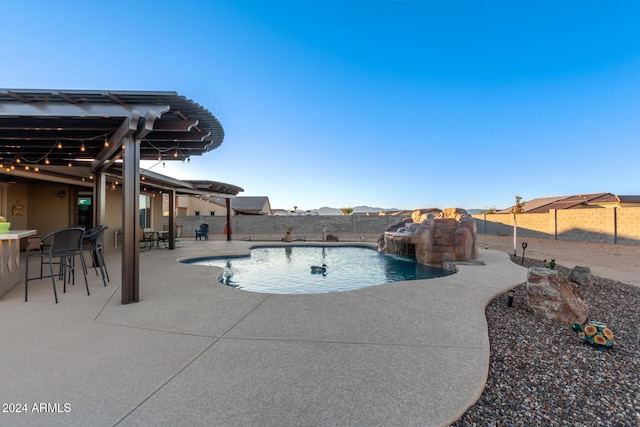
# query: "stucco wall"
46, 211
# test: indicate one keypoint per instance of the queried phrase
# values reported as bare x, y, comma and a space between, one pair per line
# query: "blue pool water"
287, 270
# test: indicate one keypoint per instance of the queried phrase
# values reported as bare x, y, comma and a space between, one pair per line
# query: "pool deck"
195, 352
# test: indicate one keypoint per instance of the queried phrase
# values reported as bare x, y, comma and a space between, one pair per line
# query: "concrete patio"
195, 352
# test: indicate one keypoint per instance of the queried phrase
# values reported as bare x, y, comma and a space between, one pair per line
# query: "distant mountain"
356, 209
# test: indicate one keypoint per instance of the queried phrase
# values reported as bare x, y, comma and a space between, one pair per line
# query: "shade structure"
106, 133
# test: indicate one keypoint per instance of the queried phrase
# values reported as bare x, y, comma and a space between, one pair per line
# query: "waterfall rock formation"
433, 239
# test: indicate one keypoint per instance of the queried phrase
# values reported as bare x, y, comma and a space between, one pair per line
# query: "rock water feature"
433, 239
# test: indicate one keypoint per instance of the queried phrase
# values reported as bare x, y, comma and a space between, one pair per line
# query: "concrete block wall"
627, 224
586, 225
529, 225
593, 225
302, 225
597, 225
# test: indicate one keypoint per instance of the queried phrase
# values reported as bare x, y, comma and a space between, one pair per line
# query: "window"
197, 213
212, 213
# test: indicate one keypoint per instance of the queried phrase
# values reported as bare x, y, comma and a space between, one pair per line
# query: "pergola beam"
175, 125
106, 157
48, 109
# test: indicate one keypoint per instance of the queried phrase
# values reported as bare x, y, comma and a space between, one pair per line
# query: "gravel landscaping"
542, 374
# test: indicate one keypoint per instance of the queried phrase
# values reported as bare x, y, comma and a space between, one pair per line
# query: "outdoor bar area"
10, 272
71, 158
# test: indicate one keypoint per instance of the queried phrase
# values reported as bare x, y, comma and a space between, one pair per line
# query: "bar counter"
10, 258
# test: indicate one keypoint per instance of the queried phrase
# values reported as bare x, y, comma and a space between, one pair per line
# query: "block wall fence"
599, 225
617, 226
303, 226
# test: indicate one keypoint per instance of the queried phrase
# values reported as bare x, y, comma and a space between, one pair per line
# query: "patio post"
130, 212
228, 203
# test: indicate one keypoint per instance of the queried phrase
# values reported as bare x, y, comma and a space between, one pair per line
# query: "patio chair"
92, 241
146, 238
203, 232
62, 245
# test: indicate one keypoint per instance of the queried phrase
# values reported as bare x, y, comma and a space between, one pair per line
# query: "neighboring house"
214, 206
247, 205
188, 205
578, 201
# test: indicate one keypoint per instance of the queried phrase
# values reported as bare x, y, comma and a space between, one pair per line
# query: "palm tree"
346, 211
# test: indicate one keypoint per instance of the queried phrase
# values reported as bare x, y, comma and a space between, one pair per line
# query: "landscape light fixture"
510, 300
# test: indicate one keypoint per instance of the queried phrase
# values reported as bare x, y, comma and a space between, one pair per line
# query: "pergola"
67, 135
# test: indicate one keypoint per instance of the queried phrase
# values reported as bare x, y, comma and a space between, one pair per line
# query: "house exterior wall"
16, 193
45, 211
113, 216
205, 207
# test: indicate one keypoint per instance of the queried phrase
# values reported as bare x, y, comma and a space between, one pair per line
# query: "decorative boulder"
553, 297
581, 276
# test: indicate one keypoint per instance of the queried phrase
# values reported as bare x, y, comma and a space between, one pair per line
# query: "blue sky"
396, 104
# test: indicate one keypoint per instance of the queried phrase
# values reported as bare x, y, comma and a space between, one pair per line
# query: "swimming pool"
287, 270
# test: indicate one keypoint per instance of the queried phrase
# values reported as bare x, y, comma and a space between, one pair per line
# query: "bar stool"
64, 245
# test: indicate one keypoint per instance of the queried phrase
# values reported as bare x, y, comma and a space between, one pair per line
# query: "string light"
82, 148
46, 161
106, 142
59, 145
